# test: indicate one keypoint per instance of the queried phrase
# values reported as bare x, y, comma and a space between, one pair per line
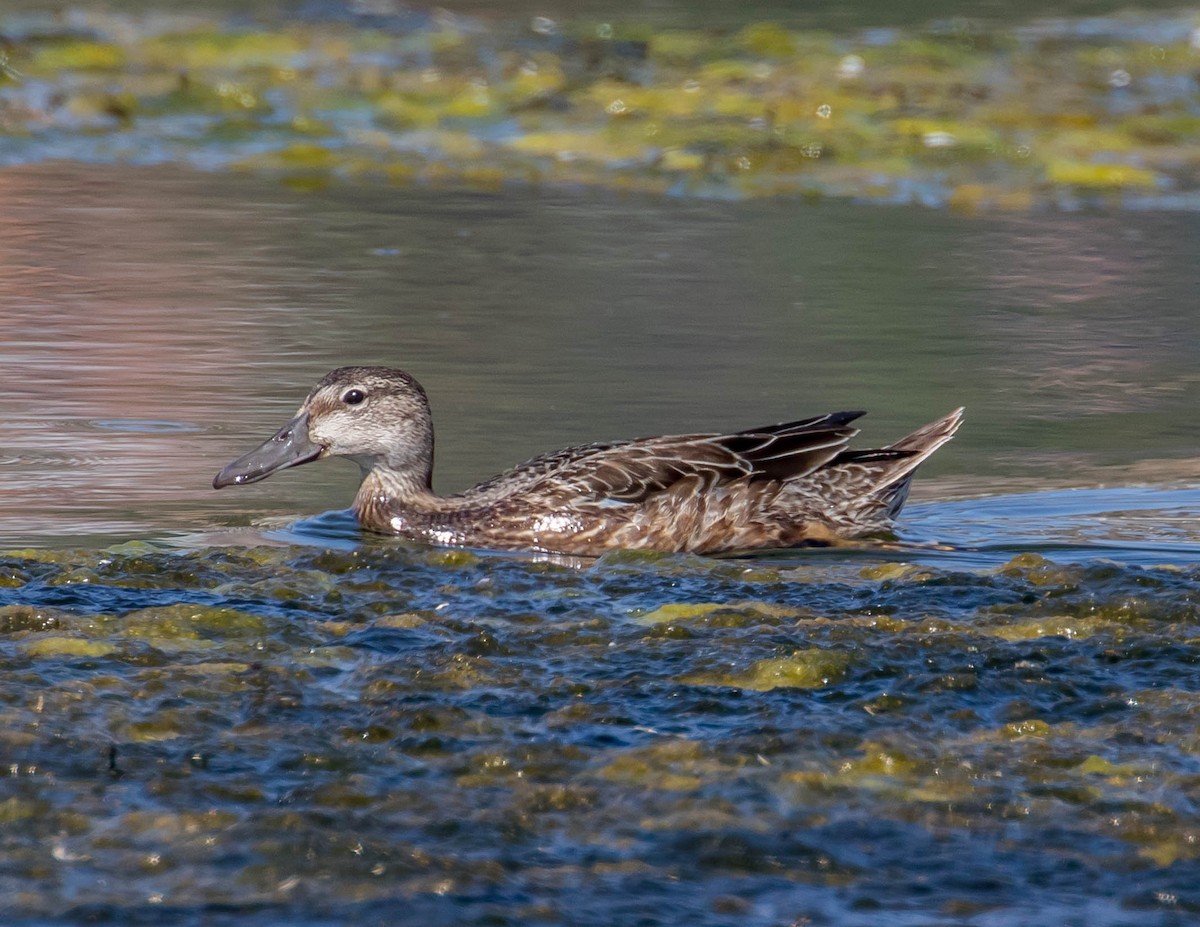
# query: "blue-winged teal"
780, 486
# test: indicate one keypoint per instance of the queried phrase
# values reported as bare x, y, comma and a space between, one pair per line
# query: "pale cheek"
332, 434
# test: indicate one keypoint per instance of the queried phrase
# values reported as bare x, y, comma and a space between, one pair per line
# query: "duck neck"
384, 491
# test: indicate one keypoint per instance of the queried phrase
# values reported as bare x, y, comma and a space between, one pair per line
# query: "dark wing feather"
534, 470
790, 450
630, 471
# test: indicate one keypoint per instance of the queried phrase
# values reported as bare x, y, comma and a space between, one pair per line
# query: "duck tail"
892, 490
928, 438
890, 471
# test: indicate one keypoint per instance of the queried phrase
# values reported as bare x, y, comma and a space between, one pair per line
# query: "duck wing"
631, 471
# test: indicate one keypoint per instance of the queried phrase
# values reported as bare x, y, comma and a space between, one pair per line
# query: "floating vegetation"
1055, 113
639, 734
802, 669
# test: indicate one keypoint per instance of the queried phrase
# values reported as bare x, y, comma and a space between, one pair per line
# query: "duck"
794, 484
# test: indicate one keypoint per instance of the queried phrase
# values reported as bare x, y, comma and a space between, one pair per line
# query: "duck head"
377, 416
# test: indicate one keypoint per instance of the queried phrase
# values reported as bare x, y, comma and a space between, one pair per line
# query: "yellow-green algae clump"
968, 117
810, 668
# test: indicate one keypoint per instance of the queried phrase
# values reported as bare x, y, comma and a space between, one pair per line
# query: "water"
1044, 114
155, 329
824, 14
232, 707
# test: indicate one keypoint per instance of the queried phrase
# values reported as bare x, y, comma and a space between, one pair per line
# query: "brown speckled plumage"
774, 487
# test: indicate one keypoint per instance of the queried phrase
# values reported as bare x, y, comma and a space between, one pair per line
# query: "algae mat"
1061, 112
295, 736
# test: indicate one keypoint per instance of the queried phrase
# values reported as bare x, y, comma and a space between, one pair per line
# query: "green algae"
77, 56
43, 647
207, 49
811, 668
442, 718
674, 765
1101, 176
215, 668
1116, 772
191, 622
734, 614
886, 571
978, 119
1069, 626
14, 810
17, 618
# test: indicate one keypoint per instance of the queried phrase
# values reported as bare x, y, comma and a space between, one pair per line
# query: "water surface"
157, 323
232, 707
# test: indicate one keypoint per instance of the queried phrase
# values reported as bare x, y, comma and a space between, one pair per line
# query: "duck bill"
288, 447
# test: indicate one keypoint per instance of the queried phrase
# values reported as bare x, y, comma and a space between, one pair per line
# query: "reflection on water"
1131, 525
158, 323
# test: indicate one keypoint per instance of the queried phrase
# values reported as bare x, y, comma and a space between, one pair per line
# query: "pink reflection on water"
113, 337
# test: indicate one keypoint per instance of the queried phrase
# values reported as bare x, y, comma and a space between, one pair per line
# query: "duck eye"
353, 397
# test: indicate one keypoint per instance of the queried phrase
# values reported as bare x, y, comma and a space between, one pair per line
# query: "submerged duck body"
779, 486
